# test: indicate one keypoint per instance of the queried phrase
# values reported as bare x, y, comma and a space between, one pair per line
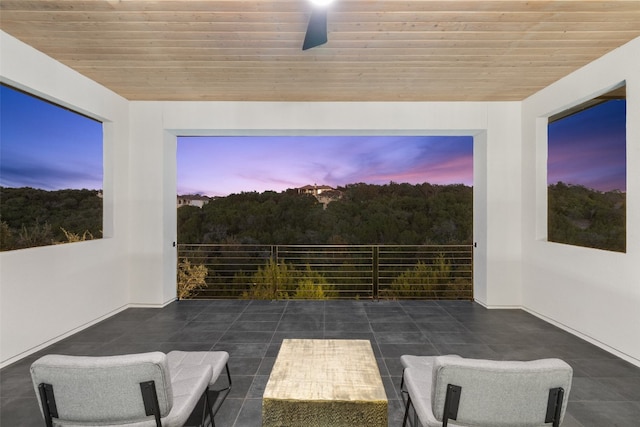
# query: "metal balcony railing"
333, 271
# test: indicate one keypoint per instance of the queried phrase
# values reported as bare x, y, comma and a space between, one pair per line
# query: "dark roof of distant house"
312, 187
193, 197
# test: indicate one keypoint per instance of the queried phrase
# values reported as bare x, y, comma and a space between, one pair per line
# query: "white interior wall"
480, 218
503, 204
594, 293
496, 127
153, 225
48, 292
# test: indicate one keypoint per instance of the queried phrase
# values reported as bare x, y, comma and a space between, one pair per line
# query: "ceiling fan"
317, 27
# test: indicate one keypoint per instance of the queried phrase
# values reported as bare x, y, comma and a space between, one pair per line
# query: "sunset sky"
218, 166
47, 147
44, 146
589, 148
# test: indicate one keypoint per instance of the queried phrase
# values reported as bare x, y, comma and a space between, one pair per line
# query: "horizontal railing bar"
333, 271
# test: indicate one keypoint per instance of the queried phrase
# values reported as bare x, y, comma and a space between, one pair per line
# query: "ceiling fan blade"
316, 30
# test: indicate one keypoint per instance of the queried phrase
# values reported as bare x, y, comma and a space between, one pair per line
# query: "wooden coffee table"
325, 383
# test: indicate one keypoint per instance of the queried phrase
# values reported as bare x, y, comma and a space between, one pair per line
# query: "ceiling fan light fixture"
316, 34
321, 2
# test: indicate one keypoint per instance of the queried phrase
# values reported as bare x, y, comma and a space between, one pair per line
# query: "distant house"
193, 200
323, 193
314, 190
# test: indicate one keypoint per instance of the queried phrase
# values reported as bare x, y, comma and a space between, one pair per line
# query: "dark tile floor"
605, 393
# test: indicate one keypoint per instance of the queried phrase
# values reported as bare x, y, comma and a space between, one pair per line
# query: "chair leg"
207, 410
150, 400
48, 401
222, 393
403, 391
211, 408
556, 421
406, 411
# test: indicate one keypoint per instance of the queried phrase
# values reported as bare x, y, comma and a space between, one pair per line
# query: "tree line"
582, 216
402, 214
32, 217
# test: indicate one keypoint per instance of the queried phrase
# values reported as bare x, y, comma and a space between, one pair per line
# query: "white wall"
496, 127
153, 225
503, 204
47, 292
594, 293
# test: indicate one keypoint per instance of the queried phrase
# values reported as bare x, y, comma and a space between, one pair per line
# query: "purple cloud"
235, 164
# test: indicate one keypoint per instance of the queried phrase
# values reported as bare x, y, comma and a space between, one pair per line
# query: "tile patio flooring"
606, 389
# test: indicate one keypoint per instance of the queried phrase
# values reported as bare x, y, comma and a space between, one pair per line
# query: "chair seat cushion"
184, 380
410, 361
425, 362
418, 381
215, 359
418, 373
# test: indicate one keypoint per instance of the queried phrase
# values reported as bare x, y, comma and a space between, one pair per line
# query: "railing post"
375, 273
274, 257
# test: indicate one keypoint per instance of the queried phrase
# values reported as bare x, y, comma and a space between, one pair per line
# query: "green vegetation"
584, 217
401, 214
76, 237
190, 278
436, 280
30, 217
392, 214
283, 281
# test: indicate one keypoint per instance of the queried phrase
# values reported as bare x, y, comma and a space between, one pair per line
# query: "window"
586, 174
50, 173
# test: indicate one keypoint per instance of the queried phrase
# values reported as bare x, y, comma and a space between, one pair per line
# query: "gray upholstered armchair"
131, 390
474, 392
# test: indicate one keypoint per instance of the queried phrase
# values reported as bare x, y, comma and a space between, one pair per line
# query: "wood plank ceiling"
430, 50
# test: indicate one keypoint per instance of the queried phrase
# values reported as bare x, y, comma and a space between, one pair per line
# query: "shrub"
283, 281
190, 278
433, 280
